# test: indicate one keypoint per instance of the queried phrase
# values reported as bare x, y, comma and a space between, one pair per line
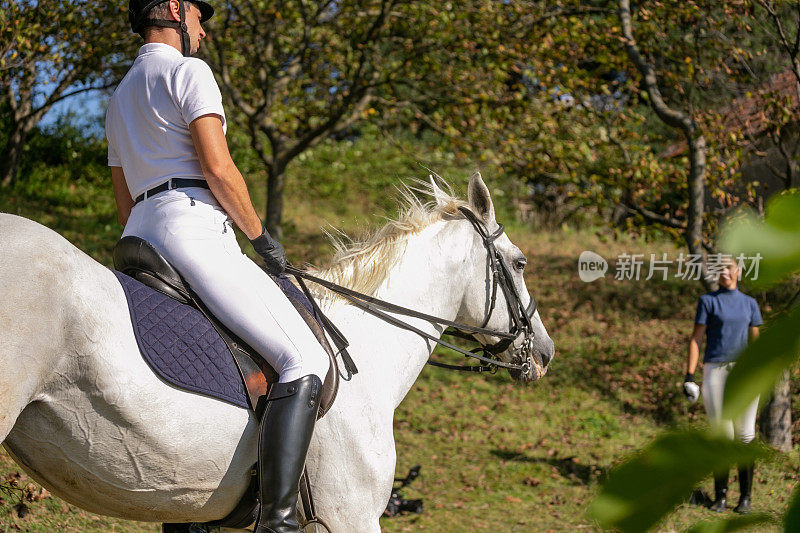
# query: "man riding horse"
177, 187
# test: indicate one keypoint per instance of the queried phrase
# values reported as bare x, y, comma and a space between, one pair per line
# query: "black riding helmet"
137, 16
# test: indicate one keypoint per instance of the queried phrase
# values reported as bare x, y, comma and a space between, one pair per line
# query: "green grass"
495, 456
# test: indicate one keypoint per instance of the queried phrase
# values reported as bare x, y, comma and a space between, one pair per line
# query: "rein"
501, 277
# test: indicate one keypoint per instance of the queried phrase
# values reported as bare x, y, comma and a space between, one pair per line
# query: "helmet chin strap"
186, 47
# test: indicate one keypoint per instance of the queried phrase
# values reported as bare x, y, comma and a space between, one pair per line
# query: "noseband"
520, 316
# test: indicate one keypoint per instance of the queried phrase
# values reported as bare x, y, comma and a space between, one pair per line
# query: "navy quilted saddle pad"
181, 345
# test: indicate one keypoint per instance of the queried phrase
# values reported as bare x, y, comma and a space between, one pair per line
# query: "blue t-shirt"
727, 315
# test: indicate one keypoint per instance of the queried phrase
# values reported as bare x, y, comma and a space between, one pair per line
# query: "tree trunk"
697, 191
683, 121
776, 416
9, 166
275, 183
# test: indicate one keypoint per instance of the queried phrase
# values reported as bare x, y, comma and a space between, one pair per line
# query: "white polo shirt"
147, 123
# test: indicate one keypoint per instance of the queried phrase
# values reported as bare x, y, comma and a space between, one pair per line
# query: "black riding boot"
180, 528
745, 485
286, 428
720, 493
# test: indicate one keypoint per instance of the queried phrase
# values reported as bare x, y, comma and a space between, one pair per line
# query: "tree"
675, 118
53, 49
780, 104
299, 71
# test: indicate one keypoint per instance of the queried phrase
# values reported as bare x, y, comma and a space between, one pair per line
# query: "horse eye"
520, 263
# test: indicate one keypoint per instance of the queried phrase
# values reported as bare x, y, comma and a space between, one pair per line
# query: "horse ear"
439, 195
479, 198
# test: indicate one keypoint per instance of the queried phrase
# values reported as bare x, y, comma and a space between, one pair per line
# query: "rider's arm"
122, 195
694, 347
224, 179
754, 332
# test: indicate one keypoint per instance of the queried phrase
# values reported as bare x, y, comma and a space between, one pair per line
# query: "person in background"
729, 319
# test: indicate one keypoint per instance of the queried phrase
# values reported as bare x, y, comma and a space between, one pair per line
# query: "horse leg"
9, 411
19, 381
352, 471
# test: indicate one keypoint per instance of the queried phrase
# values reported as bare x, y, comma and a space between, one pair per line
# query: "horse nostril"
548, 353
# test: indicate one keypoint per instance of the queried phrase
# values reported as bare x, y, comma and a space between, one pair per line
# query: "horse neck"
425, 280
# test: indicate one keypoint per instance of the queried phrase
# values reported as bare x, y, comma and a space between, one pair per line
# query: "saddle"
138, 259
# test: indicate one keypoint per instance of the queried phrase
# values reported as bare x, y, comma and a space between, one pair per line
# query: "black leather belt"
174, 183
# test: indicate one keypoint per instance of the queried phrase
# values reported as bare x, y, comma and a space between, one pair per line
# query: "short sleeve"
701, 316
196, 91
755, 317
113, 156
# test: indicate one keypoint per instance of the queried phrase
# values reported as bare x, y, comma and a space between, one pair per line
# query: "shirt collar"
159, 47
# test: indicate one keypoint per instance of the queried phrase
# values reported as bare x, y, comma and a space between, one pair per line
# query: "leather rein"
501, 277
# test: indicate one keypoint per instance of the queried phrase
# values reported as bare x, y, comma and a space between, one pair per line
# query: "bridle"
501, 277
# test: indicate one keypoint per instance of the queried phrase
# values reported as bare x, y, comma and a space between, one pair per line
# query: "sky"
88, 109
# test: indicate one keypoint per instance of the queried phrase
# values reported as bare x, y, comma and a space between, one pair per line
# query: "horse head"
496, 297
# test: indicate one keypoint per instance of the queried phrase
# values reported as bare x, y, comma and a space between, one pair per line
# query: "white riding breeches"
714, 377
190, 229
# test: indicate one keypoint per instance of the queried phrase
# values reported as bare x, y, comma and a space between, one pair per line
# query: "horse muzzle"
533, 355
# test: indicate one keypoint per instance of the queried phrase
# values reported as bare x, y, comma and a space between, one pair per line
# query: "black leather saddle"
138, 259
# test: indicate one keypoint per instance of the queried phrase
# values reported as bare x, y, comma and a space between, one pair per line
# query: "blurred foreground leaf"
792, 519
640, 492
776, 238
760, 365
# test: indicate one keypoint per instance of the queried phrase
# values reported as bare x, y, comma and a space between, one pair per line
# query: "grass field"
495, 456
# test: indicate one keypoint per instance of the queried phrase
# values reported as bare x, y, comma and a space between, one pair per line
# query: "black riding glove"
272, 252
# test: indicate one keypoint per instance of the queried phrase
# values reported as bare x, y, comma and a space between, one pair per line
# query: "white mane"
362, 265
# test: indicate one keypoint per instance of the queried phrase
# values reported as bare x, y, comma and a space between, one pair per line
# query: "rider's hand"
272, 252
690, 388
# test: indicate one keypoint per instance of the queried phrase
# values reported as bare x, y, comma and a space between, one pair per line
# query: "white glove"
691, 390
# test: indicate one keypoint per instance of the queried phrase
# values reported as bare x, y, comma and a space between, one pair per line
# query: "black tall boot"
180, 528
286, 429
720, 493
746, 486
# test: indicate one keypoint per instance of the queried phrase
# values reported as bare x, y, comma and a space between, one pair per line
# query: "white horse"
83, 414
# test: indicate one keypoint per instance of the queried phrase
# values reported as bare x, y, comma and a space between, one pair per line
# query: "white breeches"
714, 377
190, 229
